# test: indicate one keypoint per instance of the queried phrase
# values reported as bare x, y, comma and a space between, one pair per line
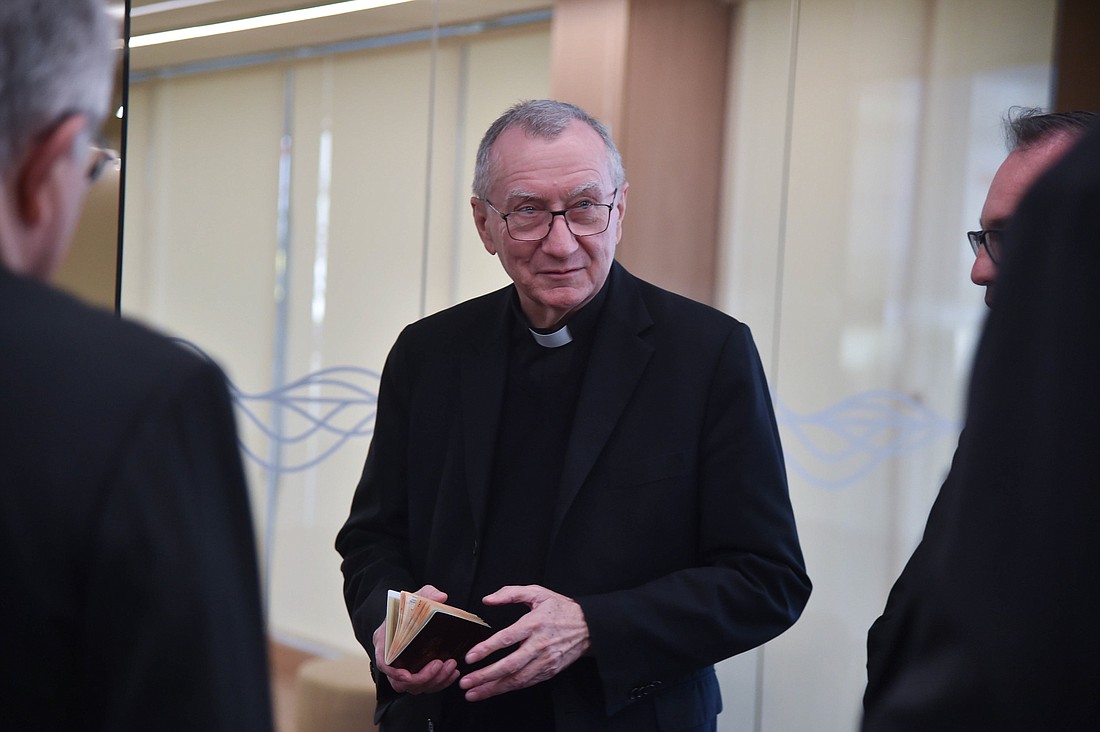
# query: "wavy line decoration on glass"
307, 420
840, 445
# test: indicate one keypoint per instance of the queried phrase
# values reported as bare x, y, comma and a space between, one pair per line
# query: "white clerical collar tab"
559, 337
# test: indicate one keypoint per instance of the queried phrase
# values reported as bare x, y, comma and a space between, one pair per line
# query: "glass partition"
288, 212
287, 218
862, 139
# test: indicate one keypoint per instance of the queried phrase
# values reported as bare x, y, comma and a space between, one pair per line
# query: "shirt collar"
578, 325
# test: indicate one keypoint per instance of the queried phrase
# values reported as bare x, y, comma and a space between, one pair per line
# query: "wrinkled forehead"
576, 149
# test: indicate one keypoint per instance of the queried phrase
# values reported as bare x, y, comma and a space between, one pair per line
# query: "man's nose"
560, 241
984, 272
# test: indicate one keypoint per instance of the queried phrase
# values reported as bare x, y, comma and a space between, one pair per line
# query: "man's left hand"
551, 637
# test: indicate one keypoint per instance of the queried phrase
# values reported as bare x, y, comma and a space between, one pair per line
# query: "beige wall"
860, 138
90, 268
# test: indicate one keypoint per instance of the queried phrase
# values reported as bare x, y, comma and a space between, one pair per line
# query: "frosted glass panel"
863, 139
288, 221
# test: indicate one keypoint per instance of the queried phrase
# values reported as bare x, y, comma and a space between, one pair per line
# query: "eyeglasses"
533, 224
991, 239
101, 158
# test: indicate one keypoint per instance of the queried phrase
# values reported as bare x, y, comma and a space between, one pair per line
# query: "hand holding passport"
419, 630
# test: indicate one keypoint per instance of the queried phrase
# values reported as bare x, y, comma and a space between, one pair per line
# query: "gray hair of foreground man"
1029, 126
543, 118
56, 60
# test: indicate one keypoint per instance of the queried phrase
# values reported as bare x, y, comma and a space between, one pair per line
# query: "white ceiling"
408, 16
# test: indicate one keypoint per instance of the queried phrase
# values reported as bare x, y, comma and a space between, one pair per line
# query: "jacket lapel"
618, 359
484, 370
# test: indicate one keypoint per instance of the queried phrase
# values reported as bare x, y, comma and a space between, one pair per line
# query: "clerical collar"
559, 337
580, 325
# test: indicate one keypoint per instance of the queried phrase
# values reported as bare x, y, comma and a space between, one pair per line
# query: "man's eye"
582, 205
526, 210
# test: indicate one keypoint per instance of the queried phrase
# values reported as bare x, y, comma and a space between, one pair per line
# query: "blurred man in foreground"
908, 671
130, 596
1036, 141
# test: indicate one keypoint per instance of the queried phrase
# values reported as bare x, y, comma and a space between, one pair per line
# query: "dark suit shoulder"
78, 344
459, 325
78, 379
681, 317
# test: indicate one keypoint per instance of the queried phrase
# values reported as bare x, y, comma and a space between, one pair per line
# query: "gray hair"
56, 59
1026, 127
546, 119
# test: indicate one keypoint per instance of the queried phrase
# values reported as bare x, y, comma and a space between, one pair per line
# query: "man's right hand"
436, 676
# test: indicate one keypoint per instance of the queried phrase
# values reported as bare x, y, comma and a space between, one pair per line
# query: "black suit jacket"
672, 527
129, 595
994, 626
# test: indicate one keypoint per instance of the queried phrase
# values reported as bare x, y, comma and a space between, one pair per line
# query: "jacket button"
644, 690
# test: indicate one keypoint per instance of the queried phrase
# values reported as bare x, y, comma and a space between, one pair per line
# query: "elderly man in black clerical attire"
589, 462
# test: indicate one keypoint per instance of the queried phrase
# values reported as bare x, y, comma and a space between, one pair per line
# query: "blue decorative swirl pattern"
838, 446
334, 404
832, 448
324, 409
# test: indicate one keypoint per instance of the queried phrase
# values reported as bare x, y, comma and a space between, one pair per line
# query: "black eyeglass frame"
980, 239
609, 206
104, 156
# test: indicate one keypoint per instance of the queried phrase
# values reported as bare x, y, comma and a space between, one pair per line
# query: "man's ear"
36, 194
620, 210
481, 221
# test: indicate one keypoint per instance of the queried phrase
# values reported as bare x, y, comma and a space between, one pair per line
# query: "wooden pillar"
655, 72
1077, 56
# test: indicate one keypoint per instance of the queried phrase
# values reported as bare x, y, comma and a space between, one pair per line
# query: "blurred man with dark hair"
130, 593
1036, 140
904, 666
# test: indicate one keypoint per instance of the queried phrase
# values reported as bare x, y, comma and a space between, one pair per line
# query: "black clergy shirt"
540, 399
